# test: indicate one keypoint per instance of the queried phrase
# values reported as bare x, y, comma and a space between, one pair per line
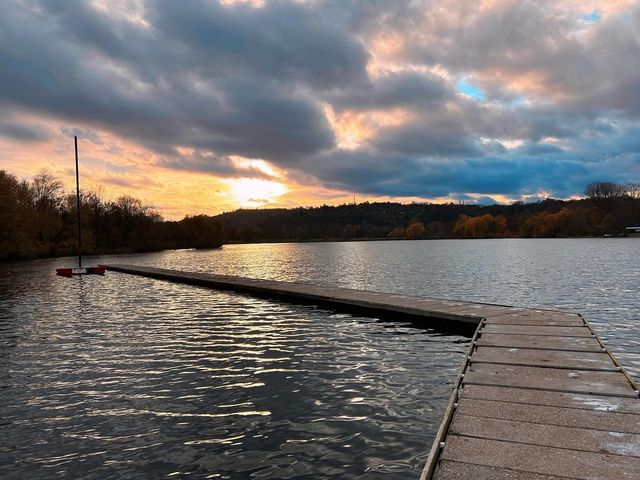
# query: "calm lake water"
132, 377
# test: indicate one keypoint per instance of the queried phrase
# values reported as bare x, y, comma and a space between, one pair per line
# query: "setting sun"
252, 192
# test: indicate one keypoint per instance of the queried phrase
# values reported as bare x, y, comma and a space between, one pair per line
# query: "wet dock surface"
539, 396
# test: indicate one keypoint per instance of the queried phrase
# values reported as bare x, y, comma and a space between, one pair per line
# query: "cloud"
202, 162
171, 89
23, 132
128, 181
533, 48
559, 168
445, 99
393, 89
87, 134
288, 41
443, 139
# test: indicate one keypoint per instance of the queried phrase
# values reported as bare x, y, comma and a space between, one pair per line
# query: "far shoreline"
283, 241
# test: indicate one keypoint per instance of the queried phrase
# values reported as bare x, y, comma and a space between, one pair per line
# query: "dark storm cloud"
236, 80
438, 139
286, 41
66, 59
83, 25
431, 177
406, 89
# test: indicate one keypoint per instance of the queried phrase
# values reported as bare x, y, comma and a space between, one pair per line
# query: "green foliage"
39, 219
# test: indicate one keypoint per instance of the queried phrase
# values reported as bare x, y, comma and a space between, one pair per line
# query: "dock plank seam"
562, 367
554, 424
555, 446
546, 405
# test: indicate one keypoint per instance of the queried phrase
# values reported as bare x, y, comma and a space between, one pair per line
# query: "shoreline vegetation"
606, 210
38, 219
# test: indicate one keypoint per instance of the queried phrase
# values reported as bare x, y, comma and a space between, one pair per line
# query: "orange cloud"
354, 129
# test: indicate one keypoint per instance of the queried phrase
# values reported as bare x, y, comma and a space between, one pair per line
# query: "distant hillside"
596, 215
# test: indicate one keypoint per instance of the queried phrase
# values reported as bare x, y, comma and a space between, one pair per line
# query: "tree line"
38, 218
607, 209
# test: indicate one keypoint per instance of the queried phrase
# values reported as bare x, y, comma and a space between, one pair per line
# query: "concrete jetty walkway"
538, 396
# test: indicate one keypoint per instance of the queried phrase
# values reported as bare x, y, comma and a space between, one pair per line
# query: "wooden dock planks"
431, 308
529, 458
541, 342
545, 358
538, 397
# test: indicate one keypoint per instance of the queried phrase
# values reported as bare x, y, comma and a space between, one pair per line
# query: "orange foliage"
485, 226
397, 232
547, 224
416, 231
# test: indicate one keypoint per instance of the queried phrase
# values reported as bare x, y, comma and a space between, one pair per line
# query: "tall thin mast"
75, 139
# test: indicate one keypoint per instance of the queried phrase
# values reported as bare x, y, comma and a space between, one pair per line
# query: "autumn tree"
610, 198
484, 226
416, 231
397, 233
47, 197
17, 225
38, 218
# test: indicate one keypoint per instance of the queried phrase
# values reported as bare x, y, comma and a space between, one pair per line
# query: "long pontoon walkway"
538, 396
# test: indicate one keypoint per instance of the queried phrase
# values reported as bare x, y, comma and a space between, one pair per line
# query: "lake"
133, 377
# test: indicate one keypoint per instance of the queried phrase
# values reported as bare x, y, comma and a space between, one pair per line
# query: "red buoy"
70, 272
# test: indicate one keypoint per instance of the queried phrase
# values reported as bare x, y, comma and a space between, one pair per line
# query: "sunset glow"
251, 192
219, 105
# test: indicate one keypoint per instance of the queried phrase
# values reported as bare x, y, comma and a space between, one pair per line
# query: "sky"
207, 106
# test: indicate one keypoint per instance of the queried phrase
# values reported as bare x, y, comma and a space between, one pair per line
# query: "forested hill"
607, 210
39, 219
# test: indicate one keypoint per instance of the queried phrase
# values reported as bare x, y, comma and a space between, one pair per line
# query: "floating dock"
538, 396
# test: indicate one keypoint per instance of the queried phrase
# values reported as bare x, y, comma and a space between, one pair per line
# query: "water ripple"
598, 277
136, 378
